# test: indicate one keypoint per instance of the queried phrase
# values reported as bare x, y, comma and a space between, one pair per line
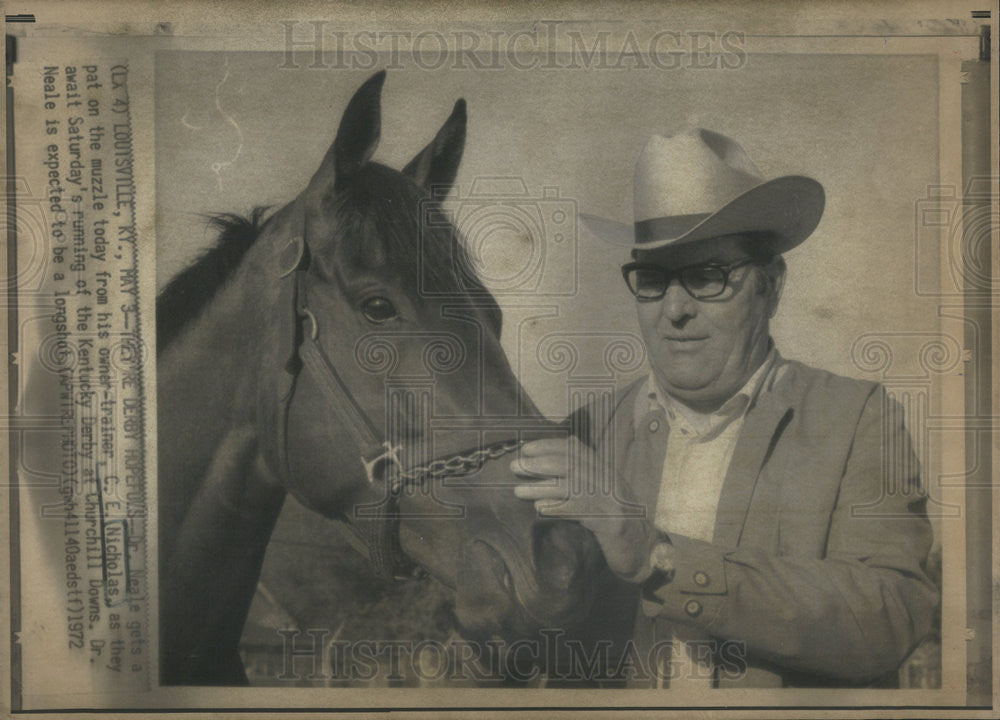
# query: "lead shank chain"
456, 465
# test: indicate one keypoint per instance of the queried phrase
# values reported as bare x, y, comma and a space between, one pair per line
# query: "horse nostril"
492, 559
557, 558
508, 581
484, 597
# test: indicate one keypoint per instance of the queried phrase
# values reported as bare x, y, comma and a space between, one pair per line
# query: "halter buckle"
389, 454
306, 314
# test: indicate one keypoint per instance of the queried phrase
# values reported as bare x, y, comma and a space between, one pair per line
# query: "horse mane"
376, 220
187, 294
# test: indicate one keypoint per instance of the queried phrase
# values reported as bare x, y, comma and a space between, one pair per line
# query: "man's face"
704, 351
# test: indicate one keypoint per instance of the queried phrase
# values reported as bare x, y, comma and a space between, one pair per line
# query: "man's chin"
686, 377
686, 390
691, 397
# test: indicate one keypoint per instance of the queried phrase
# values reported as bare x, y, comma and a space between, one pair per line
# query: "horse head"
383, 355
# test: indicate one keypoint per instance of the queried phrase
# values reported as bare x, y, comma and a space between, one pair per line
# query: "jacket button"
701, 579
693, 608
654, 425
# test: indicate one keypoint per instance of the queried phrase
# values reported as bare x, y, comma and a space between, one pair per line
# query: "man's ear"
774, 272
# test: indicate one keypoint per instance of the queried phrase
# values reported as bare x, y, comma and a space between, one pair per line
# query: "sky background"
235, 130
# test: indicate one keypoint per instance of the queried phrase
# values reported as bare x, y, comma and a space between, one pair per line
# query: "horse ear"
437, 164
358, 134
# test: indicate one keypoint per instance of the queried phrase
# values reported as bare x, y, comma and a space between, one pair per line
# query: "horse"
311, 351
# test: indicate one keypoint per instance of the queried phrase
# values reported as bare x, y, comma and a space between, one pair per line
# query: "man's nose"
677, 304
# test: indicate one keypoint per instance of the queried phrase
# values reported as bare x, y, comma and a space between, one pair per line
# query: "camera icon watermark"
25, 224
516, 244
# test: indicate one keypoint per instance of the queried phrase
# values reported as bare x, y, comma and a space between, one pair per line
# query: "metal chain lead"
458, 465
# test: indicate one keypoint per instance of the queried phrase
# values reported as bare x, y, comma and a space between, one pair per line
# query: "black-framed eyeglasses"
702, 282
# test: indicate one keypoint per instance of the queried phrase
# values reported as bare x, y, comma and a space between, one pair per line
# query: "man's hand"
625, 539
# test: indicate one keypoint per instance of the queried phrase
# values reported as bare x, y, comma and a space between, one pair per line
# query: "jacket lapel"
762, 422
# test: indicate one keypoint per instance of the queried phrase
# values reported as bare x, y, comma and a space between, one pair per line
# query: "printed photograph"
501, 377
609, 359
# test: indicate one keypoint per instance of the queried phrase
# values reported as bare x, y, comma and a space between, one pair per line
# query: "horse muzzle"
513, 572
523, 583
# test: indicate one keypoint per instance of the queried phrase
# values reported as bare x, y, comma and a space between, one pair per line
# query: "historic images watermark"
316, 654
952, 227
520, 242
545, 45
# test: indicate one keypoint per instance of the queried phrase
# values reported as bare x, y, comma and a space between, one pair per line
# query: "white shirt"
699, 449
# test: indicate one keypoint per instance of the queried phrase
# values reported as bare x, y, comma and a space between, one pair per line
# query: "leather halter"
299, 331
377, 533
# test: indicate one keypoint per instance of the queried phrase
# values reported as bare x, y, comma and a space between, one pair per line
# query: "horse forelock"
386, 224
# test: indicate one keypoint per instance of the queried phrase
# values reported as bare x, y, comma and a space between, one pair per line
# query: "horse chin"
566, 558
486, 602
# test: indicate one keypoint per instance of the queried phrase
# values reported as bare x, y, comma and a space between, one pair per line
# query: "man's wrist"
662, 570
648, 540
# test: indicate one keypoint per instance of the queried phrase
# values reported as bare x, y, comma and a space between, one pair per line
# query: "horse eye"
378, 309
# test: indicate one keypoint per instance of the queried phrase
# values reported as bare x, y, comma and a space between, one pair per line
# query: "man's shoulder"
825, 403
799, 382
815, 392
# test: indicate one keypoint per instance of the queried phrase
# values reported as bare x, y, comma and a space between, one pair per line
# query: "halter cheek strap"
299, 332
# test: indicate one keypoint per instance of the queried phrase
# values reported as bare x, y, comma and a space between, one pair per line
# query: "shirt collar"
652, 398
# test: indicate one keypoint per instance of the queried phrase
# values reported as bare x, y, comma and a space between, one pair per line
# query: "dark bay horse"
311, 352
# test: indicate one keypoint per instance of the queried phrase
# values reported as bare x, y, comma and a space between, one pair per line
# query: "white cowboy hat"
700, 184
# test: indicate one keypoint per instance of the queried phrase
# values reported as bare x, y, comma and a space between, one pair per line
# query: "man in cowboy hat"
767, 514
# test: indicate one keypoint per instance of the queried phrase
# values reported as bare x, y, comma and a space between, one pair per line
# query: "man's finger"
546, 466
550, 446
559, 507
540, 492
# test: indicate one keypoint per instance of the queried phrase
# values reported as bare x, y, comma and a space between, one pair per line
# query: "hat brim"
788, 209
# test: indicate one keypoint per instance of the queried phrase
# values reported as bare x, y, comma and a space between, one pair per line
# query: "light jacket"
815, 575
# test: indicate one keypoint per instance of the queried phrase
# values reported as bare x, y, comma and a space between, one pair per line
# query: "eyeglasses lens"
700, 281
647, 284
704, 281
